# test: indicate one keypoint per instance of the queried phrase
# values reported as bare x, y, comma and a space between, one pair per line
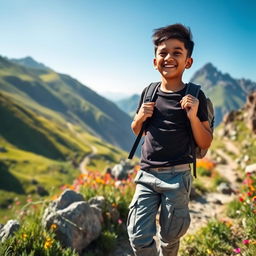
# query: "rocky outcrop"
247, 115
8, 229
76, 222
251, 111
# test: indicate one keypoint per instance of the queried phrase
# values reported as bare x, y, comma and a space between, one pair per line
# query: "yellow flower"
48, 243
24, 236
209, 251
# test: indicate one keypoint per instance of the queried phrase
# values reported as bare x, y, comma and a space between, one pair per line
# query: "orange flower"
53, 226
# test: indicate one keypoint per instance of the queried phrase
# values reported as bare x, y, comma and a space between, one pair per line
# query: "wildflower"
237, 250
48, 243
249, 194
246, 241
120, 221
228, 223
209, 251
53, 226
241, 199
254, 198
252, 188
24, 236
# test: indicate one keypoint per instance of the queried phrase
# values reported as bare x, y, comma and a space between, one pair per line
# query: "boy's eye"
162, 54
177, 53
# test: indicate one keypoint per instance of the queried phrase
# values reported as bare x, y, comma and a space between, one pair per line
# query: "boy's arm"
146, 110
201, 130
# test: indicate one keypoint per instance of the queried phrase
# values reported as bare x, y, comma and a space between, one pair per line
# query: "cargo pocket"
132, 215
177, 222
180, 222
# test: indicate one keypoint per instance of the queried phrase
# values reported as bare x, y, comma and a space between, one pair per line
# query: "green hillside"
54, 95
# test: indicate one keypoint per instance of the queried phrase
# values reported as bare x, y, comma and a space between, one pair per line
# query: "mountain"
30, 63
129, 105
226, 93
58, 96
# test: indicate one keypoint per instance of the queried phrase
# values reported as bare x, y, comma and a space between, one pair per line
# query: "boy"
164, 179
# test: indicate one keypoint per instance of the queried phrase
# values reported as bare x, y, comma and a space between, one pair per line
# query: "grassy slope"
53, 95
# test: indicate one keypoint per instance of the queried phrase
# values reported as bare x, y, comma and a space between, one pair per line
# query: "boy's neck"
171, 85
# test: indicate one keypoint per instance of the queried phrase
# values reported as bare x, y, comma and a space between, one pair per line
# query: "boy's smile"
171, 59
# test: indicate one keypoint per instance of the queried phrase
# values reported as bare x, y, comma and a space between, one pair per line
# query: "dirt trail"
84, 163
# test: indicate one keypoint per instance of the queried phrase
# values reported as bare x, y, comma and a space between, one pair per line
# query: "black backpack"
193, 89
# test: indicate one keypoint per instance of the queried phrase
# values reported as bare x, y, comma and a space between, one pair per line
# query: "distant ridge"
30, 63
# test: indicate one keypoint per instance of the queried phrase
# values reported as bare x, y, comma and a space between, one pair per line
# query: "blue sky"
107, 44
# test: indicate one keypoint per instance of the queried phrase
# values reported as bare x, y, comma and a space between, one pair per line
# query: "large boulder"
8, 229
76, 222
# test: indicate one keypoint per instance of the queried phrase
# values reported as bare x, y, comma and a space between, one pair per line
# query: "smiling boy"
164, 181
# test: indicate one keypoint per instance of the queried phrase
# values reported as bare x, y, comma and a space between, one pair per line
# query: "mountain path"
84, 163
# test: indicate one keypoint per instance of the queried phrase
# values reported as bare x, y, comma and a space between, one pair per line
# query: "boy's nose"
168, 56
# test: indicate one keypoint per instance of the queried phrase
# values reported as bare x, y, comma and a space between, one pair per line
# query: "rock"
250, 168
251, 110
98, 201
8, 229
66, 198
41, 191
220, 160
34, 182
230, 117
3, 149
101, 203
6, 202
224, 188
217, 201
122, 170
246, 158
77, 222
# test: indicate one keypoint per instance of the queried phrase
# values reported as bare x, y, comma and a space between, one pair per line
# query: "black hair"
175, 31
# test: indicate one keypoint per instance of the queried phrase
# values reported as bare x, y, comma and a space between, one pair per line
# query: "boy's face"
171, 59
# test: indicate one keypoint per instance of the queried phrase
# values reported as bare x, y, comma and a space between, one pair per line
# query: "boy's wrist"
193, 119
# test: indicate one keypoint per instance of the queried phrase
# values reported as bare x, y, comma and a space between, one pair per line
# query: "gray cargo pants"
168, 190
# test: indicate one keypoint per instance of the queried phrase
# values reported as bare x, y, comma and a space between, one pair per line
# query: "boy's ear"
154, 63
189, 63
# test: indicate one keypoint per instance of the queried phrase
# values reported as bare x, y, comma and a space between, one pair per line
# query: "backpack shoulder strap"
193, 89
149, 96
150, 92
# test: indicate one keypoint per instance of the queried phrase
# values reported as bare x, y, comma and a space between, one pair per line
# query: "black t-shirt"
167, 140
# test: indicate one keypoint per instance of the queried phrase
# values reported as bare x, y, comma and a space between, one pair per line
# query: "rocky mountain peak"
247, 114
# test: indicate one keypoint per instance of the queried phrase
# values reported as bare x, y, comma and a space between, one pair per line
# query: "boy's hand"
190, 104
146, 111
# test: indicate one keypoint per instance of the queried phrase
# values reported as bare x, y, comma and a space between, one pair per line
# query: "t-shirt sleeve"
202, 109
141, 100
